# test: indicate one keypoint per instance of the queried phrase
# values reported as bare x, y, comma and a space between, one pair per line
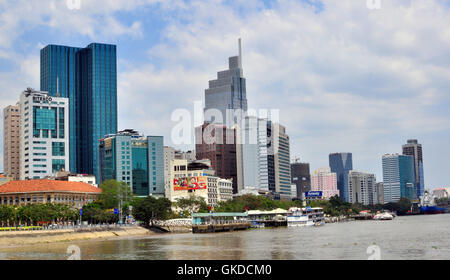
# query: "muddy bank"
19, 238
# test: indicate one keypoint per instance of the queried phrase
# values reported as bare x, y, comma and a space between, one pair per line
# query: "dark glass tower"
88, 77
58, 78
414, 149
341, 164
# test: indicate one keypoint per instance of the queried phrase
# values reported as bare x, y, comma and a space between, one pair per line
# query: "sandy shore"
20, 238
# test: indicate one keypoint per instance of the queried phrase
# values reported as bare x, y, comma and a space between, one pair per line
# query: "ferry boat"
305, 217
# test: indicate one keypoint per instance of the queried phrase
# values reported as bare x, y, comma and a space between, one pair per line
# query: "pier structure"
219, 222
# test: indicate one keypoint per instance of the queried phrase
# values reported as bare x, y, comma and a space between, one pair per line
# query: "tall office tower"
325, 181
88, 78
414, 149
362, 188
218, 144
44, 134
227, 92
341, 164
398, 177
253, 158
11, 141
280, 147
301, 177
134, 159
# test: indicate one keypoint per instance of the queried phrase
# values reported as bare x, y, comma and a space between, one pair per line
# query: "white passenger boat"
305, 217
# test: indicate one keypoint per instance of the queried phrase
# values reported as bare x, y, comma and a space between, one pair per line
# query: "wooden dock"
209, 228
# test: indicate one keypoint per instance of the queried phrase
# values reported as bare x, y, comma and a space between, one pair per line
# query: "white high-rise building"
44, 135
362, 188
254, 154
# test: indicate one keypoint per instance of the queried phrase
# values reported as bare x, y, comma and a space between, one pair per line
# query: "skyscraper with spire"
227, 94
225, 106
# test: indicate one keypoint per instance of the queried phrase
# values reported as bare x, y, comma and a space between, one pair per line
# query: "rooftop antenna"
240, 53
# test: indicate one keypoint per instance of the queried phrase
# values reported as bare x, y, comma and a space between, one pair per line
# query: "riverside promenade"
25, 237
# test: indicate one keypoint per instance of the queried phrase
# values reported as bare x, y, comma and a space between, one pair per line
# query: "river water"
414, 237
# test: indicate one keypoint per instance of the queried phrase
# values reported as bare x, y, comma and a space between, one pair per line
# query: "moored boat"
305, 217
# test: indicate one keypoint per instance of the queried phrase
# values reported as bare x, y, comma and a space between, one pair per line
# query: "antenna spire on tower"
240, 53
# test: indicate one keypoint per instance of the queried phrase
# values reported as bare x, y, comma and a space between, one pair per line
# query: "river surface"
414, 237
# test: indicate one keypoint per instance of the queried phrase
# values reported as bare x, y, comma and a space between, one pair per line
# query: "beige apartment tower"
11, 141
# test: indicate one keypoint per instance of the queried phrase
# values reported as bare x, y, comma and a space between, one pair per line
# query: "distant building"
398, 177
44, 135
324, 181
82, 178
380, 193
282, 161
253, 155
198, 179
73, 194
414, 149
301, 177
341, 164
134, 159
362, 188
219, 148
11, 141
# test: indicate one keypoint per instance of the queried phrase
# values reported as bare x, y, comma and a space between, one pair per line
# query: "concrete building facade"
362, 188
44, 135
11, 141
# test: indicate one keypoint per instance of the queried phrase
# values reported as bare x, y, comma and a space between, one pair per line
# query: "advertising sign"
314, 194
190, 183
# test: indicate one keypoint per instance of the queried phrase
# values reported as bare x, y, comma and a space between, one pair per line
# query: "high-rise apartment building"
398, 177
44, 134
11, 141
227, 92
134, 159
325, 181
362, 188
341, 164
280, 146
301, 177
88, 78
414, 149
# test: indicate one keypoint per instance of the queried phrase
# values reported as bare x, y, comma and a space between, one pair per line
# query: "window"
58, 149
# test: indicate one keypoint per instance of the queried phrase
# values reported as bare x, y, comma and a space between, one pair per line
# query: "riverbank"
20, 238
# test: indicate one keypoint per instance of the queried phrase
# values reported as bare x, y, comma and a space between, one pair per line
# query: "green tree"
113, 192
192, 205
148, 209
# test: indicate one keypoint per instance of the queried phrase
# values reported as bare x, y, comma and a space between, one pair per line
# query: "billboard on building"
314, 194
190, 183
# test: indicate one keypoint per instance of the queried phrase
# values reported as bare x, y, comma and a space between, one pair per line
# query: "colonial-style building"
75, 194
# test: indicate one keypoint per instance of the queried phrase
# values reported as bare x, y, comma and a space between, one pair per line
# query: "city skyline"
319, 88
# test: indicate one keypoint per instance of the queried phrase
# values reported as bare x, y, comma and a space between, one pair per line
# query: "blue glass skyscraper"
398, 177
88, 77
341, 164
58, 78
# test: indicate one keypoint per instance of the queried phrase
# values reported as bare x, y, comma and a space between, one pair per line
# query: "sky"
346, 76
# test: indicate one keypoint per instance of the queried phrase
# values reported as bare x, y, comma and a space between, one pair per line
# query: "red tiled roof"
2, 176
46, 186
